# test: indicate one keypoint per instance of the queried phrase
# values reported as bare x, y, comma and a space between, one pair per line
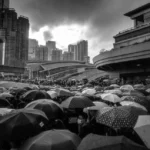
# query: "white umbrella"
129, 103
115, 91
98, 106
52, 94
89, 91
142, 128
126, 88
111, 97
114, 85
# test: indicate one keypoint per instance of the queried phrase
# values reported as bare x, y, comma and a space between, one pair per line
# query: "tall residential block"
32, 48
4, 3
68, 56
41, 53
51, 45
56, 55
14, 33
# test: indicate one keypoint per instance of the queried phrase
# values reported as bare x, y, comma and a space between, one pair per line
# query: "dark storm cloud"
104, 17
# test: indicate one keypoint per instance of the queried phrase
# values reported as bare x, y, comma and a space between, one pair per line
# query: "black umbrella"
77, 102
52, 140
4, 103
35, 95
98, 142
49, 107
21, 124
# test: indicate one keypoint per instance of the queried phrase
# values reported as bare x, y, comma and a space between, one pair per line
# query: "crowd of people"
78, 111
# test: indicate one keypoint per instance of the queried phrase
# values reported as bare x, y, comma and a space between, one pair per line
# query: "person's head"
82, 119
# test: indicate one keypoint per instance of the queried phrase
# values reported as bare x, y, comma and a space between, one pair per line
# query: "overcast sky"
96, 20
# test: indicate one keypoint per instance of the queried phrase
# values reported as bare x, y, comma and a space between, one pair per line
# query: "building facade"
51, 45
68, 56
130, 55
56, 55
41, 53
33, 46
14, 33
4, 3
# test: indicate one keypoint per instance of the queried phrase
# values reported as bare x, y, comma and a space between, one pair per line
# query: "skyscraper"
79, 50
41, 53
51, 45
4, 3
33, 46
82, 50
56, 55
68, 56
14, 38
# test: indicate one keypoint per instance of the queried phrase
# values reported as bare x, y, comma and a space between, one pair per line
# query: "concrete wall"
134, 52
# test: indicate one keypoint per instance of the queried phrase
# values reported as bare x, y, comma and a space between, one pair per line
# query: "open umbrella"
110, 97
120, 117
6, 95
4, 111
98, 106
53, 94
4, 103
49, 107
139, 86
89, 91
140, 100
21, 124
114, 85
133, 93
77, 102
98, 142
115, 91
63, 92
35, 95
126, 88
142, 128
128, 103
52, 140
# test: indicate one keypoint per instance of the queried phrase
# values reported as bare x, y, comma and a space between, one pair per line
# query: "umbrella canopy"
4, 111
139, 86
4, 103
77, 102
114, 85
115, 91
128, 103
120, 117
140, 100
98, 142
126, 88
89, 91
110, 97
35, 95
53, 94
6, 95
52, 140
142, 128
148, 90
2, 89
49, 107
22, 123
64, 92
133, 93
98, 106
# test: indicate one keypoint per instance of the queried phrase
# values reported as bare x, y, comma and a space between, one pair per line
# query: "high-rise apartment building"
51, 45
82, 50
14, 38
79, 50
32, 48
4, 3
41, 53
68, 56
56, 55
